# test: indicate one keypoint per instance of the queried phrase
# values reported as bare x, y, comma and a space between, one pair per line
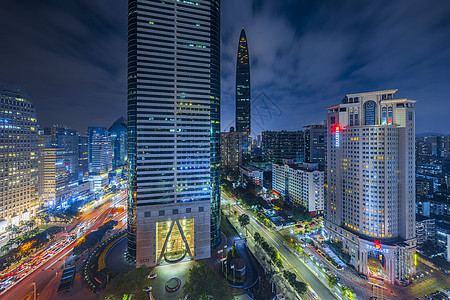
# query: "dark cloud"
305, 55
70, 56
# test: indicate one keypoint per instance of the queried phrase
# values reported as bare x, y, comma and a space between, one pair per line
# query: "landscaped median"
95, 274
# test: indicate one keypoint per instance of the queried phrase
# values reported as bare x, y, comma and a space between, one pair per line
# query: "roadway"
46, 271
317, 288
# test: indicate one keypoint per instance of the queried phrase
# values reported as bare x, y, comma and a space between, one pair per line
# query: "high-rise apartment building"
99, 150
18, 155
118, 136
231, 150
243, 101
370, 205
173, 129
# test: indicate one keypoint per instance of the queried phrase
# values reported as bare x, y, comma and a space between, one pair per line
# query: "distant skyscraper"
370, 204
243, 109
118, 136
18, 155
65, 138
83, 157
99, 153
54, 178
173, 129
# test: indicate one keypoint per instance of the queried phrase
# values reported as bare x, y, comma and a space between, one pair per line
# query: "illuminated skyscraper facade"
18, 155
370, 204
173, 130
243, 108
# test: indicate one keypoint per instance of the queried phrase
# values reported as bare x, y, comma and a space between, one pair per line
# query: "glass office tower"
173, 130
243, 109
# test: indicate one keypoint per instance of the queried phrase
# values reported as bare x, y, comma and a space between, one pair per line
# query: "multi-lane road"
318, 287
46, 268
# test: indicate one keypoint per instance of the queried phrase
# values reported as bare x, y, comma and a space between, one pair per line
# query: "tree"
244, 220
332, 281
203, 283
131, 283
258, 238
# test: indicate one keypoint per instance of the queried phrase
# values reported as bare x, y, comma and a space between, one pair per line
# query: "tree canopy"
204, 282
132, 283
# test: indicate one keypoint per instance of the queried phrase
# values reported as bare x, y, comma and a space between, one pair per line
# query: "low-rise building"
253, 174
442, 232
425, 229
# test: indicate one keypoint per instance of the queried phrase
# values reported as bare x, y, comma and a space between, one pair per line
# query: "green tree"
332, 281
204, 282
258, 238
244, 220
132, 283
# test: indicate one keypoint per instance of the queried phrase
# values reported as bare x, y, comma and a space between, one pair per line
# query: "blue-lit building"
118, 136
173, 130
99, 150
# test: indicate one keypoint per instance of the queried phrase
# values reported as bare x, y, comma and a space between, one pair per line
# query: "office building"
279, 145
55, 177
99, 150
314, 144
64, 137
231, 150
302, 186
173, 130
118, 137
243, 100
83, 157
18, 155
371, 182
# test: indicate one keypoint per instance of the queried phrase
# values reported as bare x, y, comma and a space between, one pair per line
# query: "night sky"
305, 55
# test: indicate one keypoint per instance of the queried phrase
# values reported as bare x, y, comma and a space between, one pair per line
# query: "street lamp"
34, 290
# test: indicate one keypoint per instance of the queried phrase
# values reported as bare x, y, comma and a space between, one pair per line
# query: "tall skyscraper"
18, 155
243, 109
100, 154
118, 136
173, 129
370, 204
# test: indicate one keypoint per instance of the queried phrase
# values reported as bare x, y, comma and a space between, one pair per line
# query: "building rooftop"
420, 218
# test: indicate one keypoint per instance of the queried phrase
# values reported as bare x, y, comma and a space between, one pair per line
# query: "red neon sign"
377, 245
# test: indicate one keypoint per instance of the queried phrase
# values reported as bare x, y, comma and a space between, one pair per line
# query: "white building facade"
371, 182
18, 156
302, 186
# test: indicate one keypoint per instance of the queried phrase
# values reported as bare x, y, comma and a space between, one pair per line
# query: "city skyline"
88, 39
